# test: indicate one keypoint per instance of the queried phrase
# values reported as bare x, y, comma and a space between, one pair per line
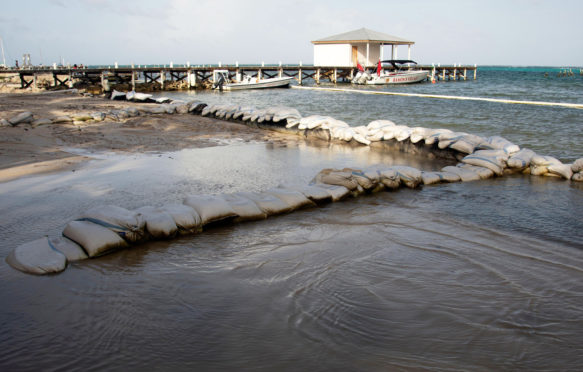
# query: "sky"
102, 32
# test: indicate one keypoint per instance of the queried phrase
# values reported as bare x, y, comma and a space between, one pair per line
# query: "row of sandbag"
496, 154
108, 228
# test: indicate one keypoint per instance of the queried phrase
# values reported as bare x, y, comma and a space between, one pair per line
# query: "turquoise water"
479, 276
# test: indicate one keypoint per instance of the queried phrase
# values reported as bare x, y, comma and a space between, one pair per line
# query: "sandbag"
495, 160
315, 193
563, 170
159, 224
335, 177
448, 139
268, 203
484, 173
577, 177
402, 133
210, 208
448, 177
467, 144
498, 143
430, 178
336, 192
360, 139
577, 166
418, 134
432, 135
520, 159
37, 257
117, 96
465, 175
129, 225
539, 165
390, 178
376, 124
186, 218
410, 177
245, 208
95, 239
293, 198
71, 250
283, 113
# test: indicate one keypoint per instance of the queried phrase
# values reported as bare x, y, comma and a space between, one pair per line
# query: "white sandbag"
293, 198
159, 224
467, 144
539, 164
71, 250
186, 218
246, 209
432, 135
257, 115
129, 225
563, 170
346, 134
360, 178
117, 96
377, 124
577, 166
577, 177
335, 123
291, 122
312, 121
483, 172
161, 100
247, 115
448, 139
375, 135
336, 192
210, 208
361, 129
283, 113
465, 175
360, 139
268, 203
495, 160
335, 177
498, 143
95, 239
448, 177
418, 134
317, 194
430, 178
390, 178
402, 132
520, 159
409, 176
37, 257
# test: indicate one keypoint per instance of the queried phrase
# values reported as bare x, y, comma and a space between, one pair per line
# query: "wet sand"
26, 150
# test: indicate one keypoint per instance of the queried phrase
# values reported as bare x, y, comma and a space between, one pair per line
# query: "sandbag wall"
108, 228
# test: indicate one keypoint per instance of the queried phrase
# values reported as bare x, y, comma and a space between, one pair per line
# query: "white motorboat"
401, 72
222, 81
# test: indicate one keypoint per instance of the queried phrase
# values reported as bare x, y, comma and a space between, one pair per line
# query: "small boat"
222, 81
402, 72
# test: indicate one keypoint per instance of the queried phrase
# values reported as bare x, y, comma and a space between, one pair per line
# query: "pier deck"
201, 76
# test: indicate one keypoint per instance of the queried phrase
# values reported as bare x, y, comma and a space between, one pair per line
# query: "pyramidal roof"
363, 35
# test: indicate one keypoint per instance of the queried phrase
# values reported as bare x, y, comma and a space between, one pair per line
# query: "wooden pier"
199, 77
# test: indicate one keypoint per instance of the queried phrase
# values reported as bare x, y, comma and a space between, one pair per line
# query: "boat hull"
265, 83
406, 77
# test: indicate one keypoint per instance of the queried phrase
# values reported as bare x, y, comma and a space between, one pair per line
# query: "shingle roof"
363, 35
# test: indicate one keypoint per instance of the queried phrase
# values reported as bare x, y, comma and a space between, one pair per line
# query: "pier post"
465, 73
34, 80
133, 80
335, 75
475, 71
318, 76
443, 72
454, 71
162, 79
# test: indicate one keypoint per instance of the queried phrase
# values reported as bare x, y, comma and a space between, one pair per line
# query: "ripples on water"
475, 276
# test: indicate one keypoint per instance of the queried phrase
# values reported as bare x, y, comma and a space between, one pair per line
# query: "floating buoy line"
439, 96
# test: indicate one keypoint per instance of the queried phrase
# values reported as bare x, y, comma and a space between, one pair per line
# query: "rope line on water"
536, 103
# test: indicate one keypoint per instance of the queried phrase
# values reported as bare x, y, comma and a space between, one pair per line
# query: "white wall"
332, 55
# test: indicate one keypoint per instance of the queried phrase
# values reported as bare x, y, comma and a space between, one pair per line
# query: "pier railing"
201, 76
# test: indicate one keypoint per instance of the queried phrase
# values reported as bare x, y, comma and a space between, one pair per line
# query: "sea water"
485, 275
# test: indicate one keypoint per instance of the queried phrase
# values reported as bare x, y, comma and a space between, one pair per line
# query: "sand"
26, 150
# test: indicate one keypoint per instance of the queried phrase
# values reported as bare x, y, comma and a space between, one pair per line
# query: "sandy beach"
26, 149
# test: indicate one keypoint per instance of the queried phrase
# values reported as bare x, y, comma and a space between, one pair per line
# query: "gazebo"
362, 46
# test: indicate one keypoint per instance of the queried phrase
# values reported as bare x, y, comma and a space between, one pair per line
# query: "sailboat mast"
3, 57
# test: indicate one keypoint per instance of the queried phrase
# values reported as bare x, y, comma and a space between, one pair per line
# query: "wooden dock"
199, 77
